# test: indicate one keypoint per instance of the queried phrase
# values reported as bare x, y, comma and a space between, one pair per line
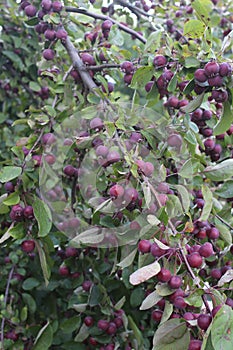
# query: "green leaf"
136, 297
44, 338
221, 171
194, 28
184, 195
194, 104
18, 231
153, 41
9, 173
30, 302
202, 9
12, 199
141, 77
82, 334
14, 58
172, 334
43, 262
191, 62
43, 216
144, 273
95, 296
71, 324
189, 168
128, 260
226, 278
221, 329
225, 234
30, 283
208, 198
136, 332
225, 121
150, 300
166, 312
34, 86
163, 289
225, 190
172, 84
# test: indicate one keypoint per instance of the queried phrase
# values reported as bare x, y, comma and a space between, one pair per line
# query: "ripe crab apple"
28, 246
116, 191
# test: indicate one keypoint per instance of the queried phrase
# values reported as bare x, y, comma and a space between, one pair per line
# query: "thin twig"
137, 11
104, 18
103, 66
223, 221
5, 303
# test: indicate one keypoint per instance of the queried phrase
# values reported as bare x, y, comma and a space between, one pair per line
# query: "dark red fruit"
211, 68
48, 54
215, 310
28, 246
46, 5
203, 321
194, 260
71, 252
195, 344
87, 285
175, 282
219, 95
216, 273
179, 302
61, 34
116, 191
113, 157
88, 59
16, 213
206, 250
144, 246
28, 212
127, 67
57, 6
200, 75
69, 170
106, 25
164, 275
30, 10
50, 34
157, 315
64, 271
48, 139
225, 69
9, 187
89, 321
213, 233
159, 61
112, 328
103, 325
209, 144
96, 124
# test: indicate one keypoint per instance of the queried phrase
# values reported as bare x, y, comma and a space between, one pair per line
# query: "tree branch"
103, 66
137, 11
79, 65
104, 18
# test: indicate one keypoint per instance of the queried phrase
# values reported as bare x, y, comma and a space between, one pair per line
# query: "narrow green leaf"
150, 300
43, 262
194, 28
44, 338
128, 260
43, 216
221, 171
225, 121
194, 104
208, 198
144, 273
9, 173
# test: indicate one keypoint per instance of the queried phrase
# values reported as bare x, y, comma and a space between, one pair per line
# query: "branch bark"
104, 18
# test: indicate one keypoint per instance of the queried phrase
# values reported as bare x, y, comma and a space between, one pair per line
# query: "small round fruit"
89, 321
87, 285
203, 321
179, 302
175, 282
48, 54
211, 68
103, 325
96, 124
69, 170
57, 6
112, 328
144, 246
206, 250
194, 260
195, 344
30, 10
127, 67
28, 246
157, 315
16, 213
28, 212
159, 61
164, 275
64, 271
116, 191
61, 34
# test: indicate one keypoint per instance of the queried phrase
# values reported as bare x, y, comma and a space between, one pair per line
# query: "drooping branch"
137, 11
79, 65
104, 18
103, 66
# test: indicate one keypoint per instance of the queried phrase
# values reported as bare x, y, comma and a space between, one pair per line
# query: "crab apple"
113, 157
199, 203
116, 191
172, 102
48, 139
106, 25
9, 187
61, 34
28, 246
144, 246
149, 86
16, 213
89, 321
88, 59
159, 61
207, 132
195, 344
207, 114
179, 302
157, 315
30, 10
164, 275
213, 233
203, 321
87, 285
71, 252
206, 250
127, 67
112, 328
96, 123
24, 4
211, 68
12, 335
101, 151
156, 251
118, 322
175, 282
215, 81
50, 159
69, 170
57, 6
28, 212
200, 75
50, 34
128, 78
229, 302
103, 325
93, 341
48, 54
148, 169
46, 5
174, 140
64, 271
219, 95
194, 260
209, 144
216, 273
163, 198
188, 316
224, 69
